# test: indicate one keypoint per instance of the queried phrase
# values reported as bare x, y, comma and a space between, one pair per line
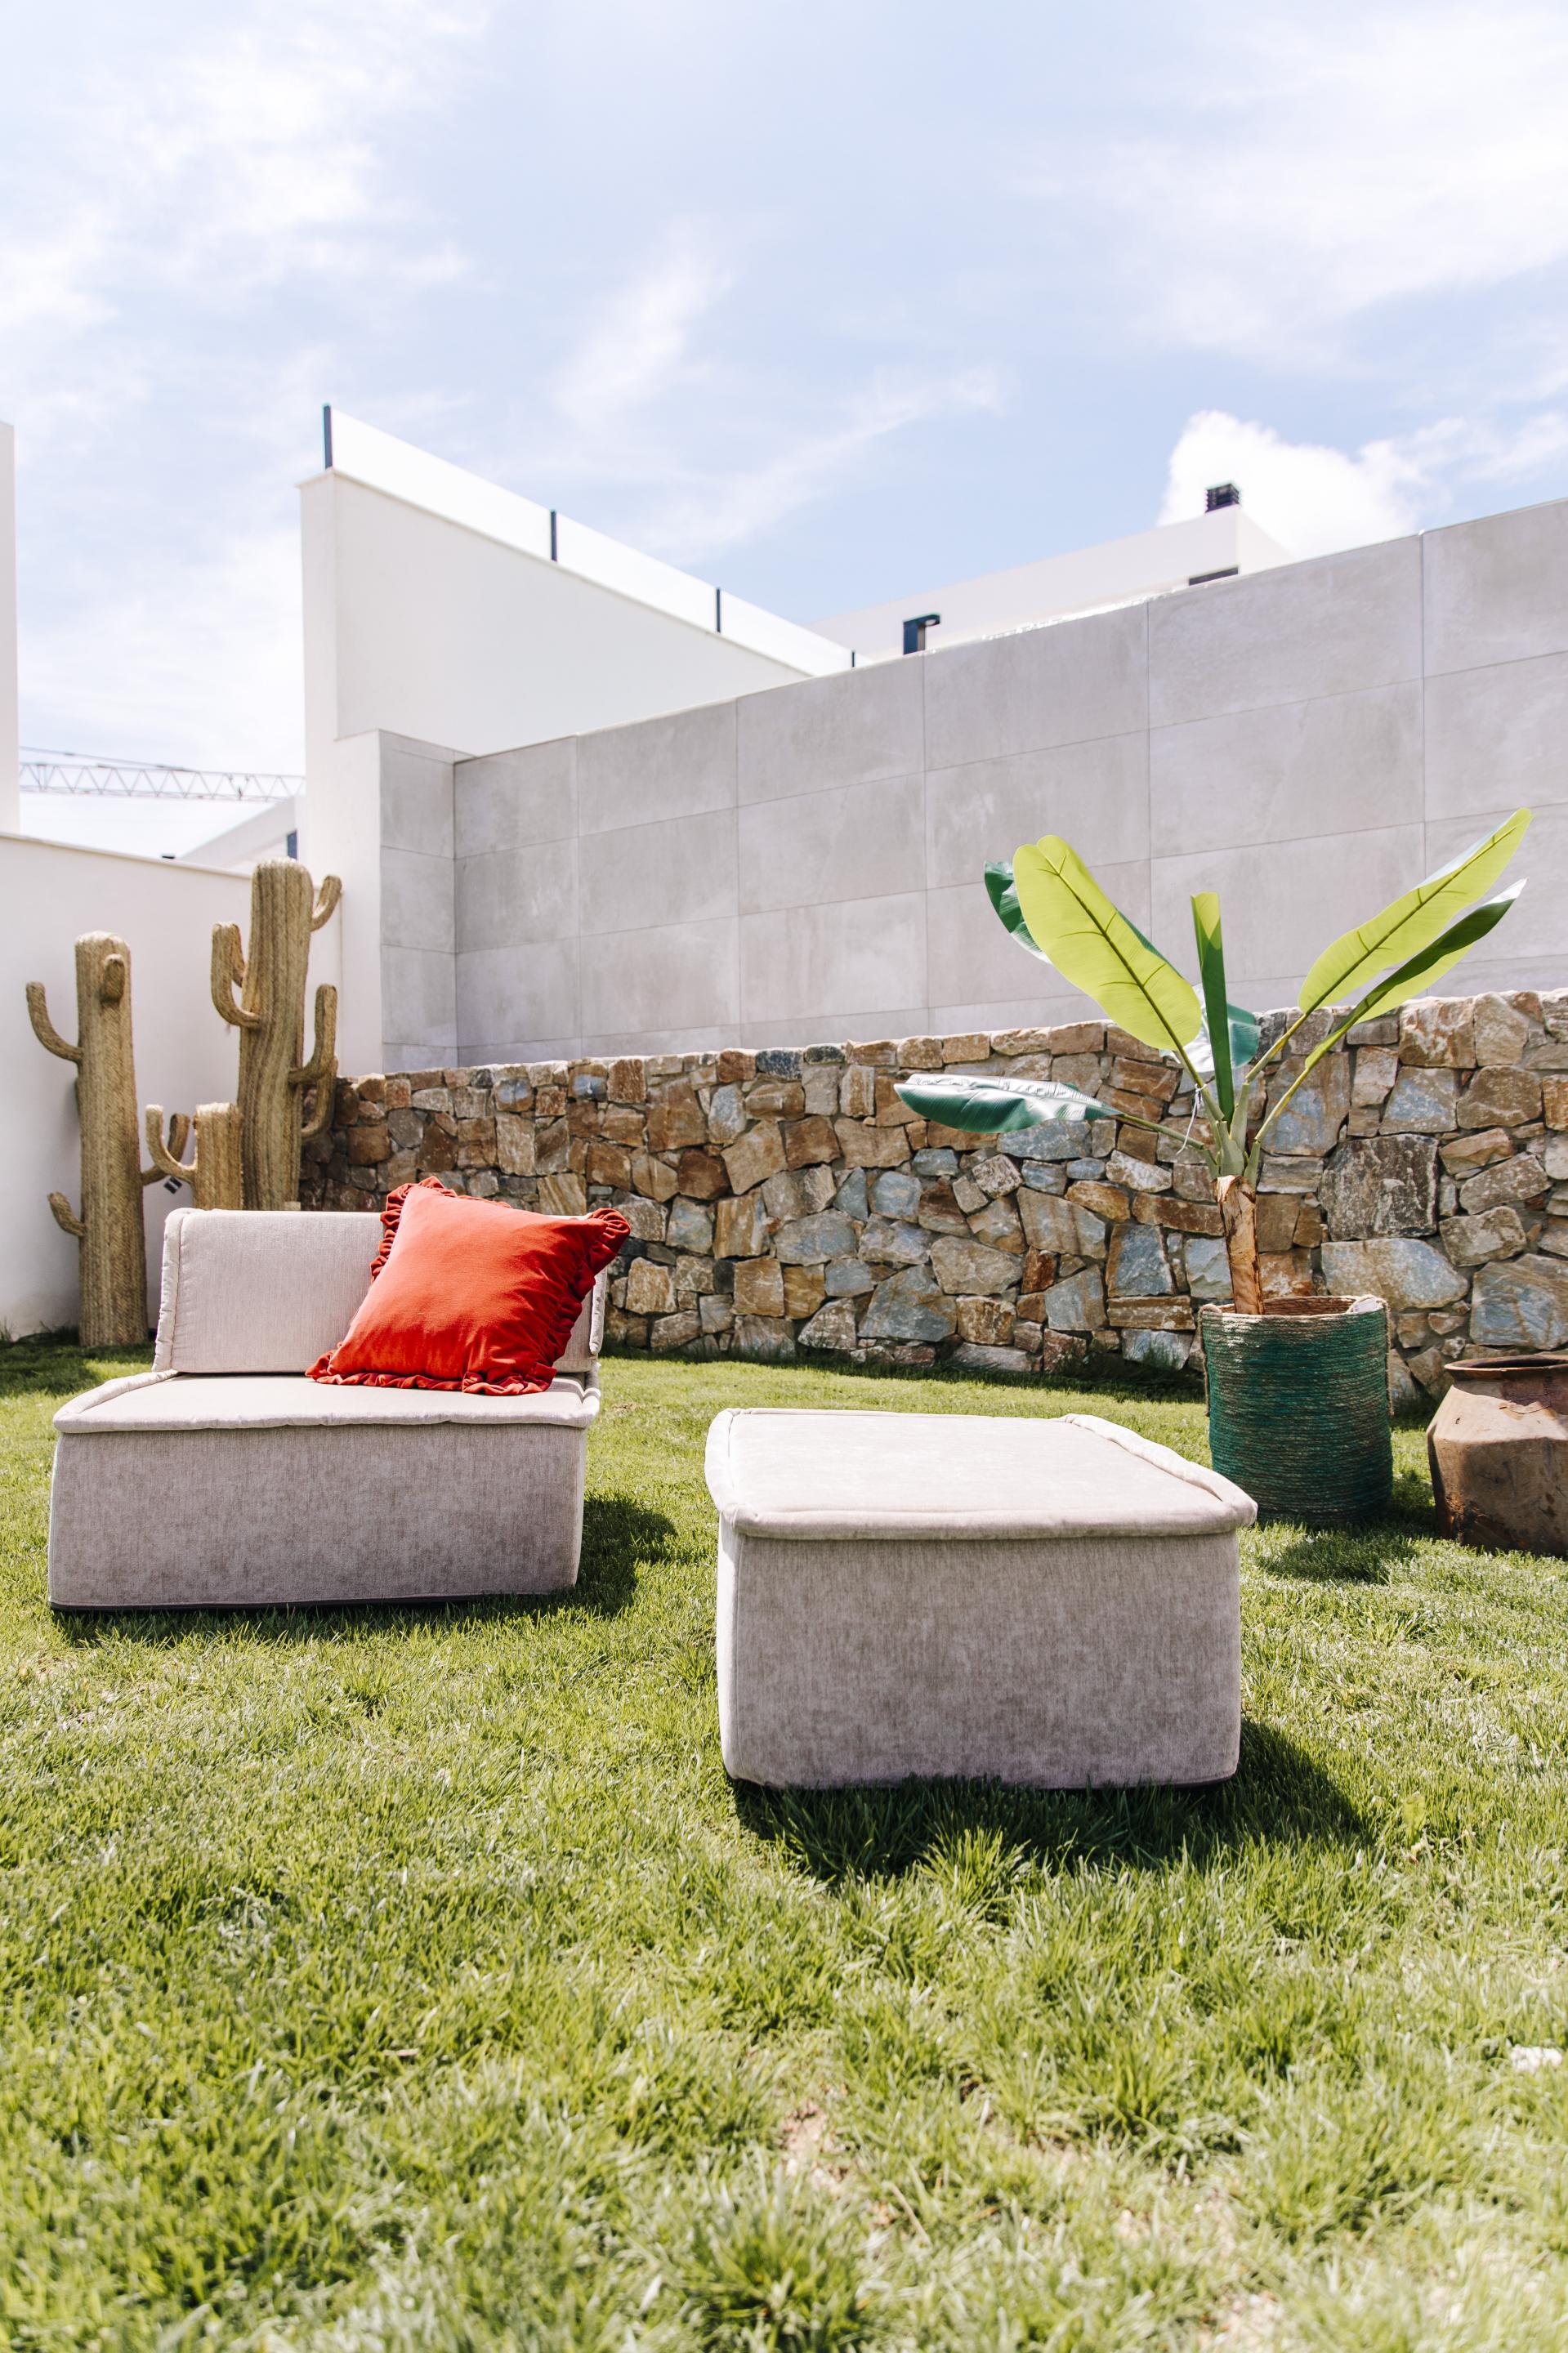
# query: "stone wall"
785, 1200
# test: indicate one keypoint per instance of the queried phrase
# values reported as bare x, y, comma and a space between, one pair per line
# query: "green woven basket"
1299, 1407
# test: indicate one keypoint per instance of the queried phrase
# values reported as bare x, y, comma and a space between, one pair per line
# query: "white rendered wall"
805, 863
10, 727
185, 1054
1148, 563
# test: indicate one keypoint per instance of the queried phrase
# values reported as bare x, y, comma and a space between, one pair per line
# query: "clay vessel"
1498, 1449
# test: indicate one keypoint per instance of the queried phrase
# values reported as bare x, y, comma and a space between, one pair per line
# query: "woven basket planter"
1299, 1406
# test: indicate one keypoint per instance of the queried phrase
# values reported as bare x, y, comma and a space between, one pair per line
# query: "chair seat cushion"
170, 1402
471, 1294
890, 1476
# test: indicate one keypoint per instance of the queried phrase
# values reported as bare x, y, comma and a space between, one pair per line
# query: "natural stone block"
623, 1331
1039, 1272
1174, 1315
609, 1164
655, 1178
1377, 1068
1437, 1030
813, 1241
775, 1099
1554, 1158
1208, 1270
716, 1314
857, 1091
726, 1116
848, 1278
649, 1289
1386, 1185
1138, 1267
897, 1193
764, 1339
756, 1155
779, 1062
969, 1266
1162, 1351
809, 1143
820, 1084
1494, 1233
831, 1328
1464, 1155
970, 1357
676, 1118
987, 1321
1111, 1202
552, 1147
1057, 1225
694, 1278
995, 1175
622, 1123
700, 1175
758, 1287
735, 1067
890, 1112
870, 1147
1406, 1273
967, 1046
1423, 1102
1078, 1304
740, 1228
628, 1079
797, 1193
998, 1224
941, 1211
890, 1242
1060, 1139
1137, 1175
1281, 1175
967, 1193
1521, 1178
678, 1330
1179, 1216
1520, 1303
1500, 1099
1285, 1274
853, 1198
920, 1053
804, 1290
1316, 1113
367, 1146
515, 1144
1501, 1031
1277, 1215
690, 1227
910, 1305
1554, 1102
563, 1196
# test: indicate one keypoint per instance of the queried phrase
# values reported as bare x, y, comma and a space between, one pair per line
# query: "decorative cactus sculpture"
271, 1017
213, 1171
113, 1249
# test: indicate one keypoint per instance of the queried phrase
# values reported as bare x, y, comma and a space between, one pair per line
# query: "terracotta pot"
1498, 1449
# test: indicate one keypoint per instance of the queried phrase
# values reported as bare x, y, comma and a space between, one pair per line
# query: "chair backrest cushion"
268, 1291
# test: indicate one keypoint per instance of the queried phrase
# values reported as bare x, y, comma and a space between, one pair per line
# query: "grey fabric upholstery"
224, 1476
1053, 1602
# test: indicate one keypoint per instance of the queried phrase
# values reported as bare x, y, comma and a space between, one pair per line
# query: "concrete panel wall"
805, 862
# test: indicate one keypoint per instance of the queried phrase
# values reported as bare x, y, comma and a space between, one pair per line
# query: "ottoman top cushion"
888, 1476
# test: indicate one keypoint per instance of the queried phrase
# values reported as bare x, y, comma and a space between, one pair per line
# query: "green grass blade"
1412, 922
1091, 942
1216, 1008
997, 1106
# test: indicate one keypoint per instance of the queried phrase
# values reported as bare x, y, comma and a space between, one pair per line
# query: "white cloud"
1310, 167
639, 348
1313, 497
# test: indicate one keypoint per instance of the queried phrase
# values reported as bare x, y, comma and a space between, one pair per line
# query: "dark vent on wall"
1226, 571
915, 631
1221, 494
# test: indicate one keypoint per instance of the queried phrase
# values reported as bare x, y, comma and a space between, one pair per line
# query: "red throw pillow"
471, 1294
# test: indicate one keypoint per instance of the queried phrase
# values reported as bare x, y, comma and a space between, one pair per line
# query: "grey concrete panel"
515, 896
416, 798
675, 767
505, 995
1064, 683
521, 1049
1335, 625
681, 975
1096, 794
704, 1040
679, 871
1333, 765
510, 798
1283, 903
1497, 734
857, 841
1013, 1013
1497, 590
803, 960
416, 899
1535, 927
838, 1024
843, 730
972, 958
419, 1000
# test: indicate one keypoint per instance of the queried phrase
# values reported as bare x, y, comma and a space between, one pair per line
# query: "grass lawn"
415, 1979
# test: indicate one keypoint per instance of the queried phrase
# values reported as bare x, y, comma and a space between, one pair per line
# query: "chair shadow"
1368, 1555
620, 1535
1278, 1796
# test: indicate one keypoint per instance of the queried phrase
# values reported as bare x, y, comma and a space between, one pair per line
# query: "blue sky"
827, 302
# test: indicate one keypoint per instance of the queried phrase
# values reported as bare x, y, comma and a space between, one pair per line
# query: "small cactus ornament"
269, 1014
213, 1170
114, 1311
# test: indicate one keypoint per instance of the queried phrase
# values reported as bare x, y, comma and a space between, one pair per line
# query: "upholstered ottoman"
1053, 1602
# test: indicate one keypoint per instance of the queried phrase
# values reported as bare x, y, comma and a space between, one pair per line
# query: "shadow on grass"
54, 1363
1361, 1555
619, 1537
1279, 1795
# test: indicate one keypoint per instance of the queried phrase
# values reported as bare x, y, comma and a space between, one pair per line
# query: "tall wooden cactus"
214, 1169
269, 1014
113, 1249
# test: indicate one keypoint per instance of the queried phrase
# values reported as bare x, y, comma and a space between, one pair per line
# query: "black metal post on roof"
718, 610
555, 553
326, 432
915, 631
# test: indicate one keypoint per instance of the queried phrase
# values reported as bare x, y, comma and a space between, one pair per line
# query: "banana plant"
1053, 907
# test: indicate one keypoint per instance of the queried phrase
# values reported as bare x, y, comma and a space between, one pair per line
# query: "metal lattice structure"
76, 772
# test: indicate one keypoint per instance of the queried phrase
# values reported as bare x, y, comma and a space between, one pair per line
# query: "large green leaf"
1428, 964
1003, 896
1410, 923
1098, 950
995, 1106
1216, 1033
